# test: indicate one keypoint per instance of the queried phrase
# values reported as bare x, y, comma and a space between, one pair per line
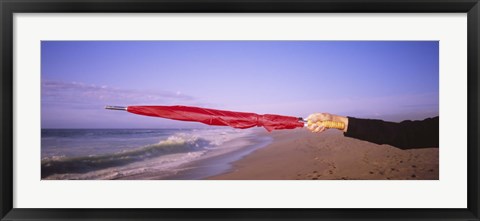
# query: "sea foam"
170, 152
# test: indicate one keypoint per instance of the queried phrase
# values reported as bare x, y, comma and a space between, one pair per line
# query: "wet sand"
300, 155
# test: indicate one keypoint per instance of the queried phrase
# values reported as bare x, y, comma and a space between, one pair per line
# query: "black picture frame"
9, 7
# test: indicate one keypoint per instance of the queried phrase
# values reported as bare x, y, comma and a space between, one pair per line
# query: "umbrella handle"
332, 124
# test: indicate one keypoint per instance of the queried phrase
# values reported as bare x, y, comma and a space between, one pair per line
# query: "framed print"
239, 110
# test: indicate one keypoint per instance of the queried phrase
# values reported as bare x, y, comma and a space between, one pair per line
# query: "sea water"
141, 153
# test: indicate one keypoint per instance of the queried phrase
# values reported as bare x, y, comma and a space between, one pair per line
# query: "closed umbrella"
215, 117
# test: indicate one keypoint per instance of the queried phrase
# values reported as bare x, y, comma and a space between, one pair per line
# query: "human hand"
317, 122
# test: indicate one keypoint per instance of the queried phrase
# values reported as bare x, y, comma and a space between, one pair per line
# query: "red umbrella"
221, 117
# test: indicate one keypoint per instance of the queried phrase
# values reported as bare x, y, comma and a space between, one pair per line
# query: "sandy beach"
299, 155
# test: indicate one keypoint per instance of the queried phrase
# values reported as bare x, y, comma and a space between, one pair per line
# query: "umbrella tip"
115, 108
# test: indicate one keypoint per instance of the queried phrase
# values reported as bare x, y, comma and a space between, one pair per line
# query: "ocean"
91, 154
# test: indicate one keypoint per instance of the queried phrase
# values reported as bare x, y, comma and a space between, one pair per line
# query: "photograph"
251, 110
239, 110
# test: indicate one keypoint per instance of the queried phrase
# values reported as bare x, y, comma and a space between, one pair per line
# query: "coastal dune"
300, 155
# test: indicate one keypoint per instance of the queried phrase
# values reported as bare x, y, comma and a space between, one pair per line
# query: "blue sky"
390, 80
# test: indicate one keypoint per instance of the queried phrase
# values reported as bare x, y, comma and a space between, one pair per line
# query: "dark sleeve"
404, 135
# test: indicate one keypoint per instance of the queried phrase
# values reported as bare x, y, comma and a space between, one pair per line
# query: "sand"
300, 154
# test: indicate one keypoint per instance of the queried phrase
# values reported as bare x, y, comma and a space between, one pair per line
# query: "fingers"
311, 126
316, 127
320, 130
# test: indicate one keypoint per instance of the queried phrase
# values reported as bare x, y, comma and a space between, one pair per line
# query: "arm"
404, 135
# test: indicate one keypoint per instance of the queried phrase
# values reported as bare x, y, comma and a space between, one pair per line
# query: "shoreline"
220, 164
210, 166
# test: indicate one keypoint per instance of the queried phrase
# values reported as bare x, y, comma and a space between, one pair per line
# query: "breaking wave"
173, 144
